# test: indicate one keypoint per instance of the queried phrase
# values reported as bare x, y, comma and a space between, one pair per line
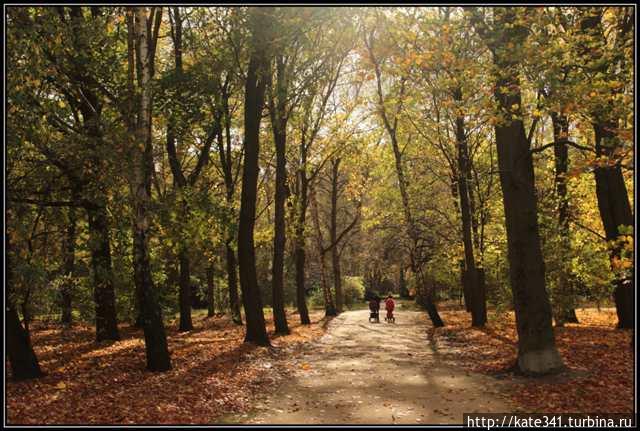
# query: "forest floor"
341, 370
376, 373
213, 373
599, 359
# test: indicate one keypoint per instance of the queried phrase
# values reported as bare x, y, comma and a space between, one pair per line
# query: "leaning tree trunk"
22, 358
254, 102
104, 293
471, 278
68, 268
537, 353
565, 300
157, 351
186, 323
615, 211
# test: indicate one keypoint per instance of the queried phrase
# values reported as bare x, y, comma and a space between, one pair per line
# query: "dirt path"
375, 373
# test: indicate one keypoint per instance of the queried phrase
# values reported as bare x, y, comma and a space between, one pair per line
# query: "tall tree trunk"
254, 102
475, 289
279, 125
157, 351
565, 301
68, 268
537, 353
211, 308
299, 239
104, 293
335, 255
23, 360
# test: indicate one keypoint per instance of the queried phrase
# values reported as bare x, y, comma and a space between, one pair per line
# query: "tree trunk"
299, 240
68, 268
232, 281
185, 291
615, 211
329, 306
335, 255
279, 125
537, 353
300, 258
472, 286
254, 102
211, 308
23, 360
104, 294
157, 351
565, 301
402, 283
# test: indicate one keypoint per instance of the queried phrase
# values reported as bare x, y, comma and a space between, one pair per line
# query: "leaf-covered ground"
599, 359
214, 373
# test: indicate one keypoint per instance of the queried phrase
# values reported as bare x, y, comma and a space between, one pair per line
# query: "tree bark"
22, 358
472, 286
537, 353
186, 323
211, 308
329, 306
232, 280
615, 211
157, 351
254, 102
299, 240
566, 297
68, 268
104, 293
279, 126
335, 255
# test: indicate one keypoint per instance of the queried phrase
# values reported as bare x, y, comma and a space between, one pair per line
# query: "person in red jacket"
389, 305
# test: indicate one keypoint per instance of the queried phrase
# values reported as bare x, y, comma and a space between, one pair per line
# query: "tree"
537, 353
143, 44
257, 76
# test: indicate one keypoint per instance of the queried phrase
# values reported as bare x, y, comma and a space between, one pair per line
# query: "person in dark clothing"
374, 307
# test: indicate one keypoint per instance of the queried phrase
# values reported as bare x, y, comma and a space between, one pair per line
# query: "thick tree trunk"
157, 351
232, 281
615, 211
472, 285
565, 299
104, 294
22, 358
537, 353
68, 268
254, 102
211, 306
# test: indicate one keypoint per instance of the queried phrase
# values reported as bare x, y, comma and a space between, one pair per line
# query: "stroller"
390, 305
374, 308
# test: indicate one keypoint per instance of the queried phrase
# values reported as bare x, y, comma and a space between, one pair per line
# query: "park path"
376, 373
